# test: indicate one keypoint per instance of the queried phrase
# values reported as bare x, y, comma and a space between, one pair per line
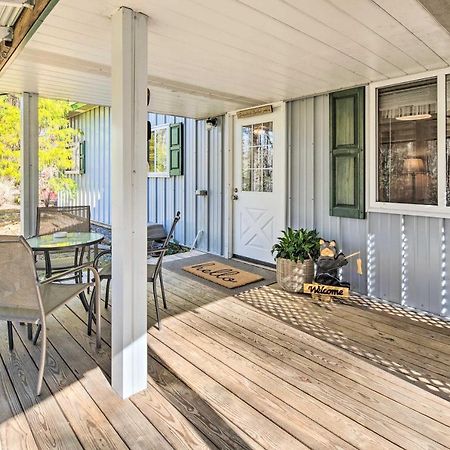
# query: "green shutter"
176, 149
347, 183
82, 157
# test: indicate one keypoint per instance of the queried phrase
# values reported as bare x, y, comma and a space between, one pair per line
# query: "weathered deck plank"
85, 417
14, 429
389, 418
168, 399
162, 415
225, 402
132, 426
48, 422
226, 374
351, 400
314, 320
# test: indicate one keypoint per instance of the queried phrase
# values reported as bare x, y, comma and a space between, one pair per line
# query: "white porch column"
29, 163
129, 202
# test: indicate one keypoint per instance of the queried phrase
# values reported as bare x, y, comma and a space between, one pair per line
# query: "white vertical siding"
94, 186
404, 257
202, 170
202, 166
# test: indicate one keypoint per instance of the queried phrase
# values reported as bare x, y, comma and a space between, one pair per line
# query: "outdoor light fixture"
211, 122
414, 117
18, 3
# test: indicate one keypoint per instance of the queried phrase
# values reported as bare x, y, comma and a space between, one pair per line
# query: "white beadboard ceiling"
207, 57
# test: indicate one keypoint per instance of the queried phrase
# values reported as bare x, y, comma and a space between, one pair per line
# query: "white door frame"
229, 126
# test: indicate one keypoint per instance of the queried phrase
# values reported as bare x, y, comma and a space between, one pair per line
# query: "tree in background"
56, 139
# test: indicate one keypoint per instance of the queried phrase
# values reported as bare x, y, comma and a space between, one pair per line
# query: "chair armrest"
98, 256
159, 250
67, 272
156, 252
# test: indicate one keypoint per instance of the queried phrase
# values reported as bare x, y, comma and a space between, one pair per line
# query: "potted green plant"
295, 253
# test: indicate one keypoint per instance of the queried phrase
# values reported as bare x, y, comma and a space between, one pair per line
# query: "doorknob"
235, 197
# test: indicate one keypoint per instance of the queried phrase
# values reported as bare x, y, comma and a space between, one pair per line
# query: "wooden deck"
228, 372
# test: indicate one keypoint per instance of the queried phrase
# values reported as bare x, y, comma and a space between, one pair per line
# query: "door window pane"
257, 157
407, 143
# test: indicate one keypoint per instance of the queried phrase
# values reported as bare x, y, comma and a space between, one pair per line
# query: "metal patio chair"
154, 271
23, 298
62, 218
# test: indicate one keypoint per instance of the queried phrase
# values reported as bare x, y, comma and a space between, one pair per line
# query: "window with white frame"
407, 143
410, 142
158, 151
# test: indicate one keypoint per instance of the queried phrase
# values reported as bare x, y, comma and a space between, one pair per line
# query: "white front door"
259, 191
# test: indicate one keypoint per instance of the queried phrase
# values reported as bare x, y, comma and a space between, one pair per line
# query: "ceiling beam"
26, 25
93, 68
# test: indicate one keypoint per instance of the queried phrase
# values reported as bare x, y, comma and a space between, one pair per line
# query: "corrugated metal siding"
94, 185
201, 215
202, 170
404, 257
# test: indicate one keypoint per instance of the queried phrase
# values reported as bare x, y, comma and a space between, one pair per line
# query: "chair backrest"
63, 218
18, 280
163, 249
161, 252
169, 236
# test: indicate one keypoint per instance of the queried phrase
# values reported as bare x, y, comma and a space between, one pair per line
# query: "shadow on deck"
234, 372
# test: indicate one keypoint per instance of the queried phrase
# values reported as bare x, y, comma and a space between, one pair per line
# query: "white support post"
29, 145
129, 202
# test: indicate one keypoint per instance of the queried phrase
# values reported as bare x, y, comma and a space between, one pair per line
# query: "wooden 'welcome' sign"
325, 291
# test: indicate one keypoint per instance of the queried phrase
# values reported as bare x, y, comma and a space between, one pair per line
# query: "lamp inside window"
407, 143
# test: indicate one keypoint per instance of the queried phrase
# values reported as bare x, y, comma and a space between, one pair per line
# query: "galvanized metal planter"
292, 275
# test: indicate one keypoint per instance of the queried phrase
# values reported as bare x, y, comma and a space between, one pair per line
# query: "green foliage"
55, 139
158, 151
9, 139
55, 135
297, 245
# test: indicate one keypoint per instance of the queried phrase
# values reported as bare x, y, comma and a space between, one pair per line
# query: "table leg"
48, 264
38, 332
84, 301
80, 256
30, 331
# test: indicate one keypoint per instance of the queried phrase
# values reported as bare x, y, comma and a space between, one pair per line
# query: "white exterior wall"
203, 169
404, 257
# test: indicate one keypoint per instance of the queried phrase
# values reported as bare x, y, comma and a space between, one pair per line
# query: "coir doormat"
219, 273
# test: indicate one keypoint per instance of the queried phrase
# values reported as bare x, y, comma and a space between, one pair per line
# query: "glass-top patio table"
49, 242
77, 241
